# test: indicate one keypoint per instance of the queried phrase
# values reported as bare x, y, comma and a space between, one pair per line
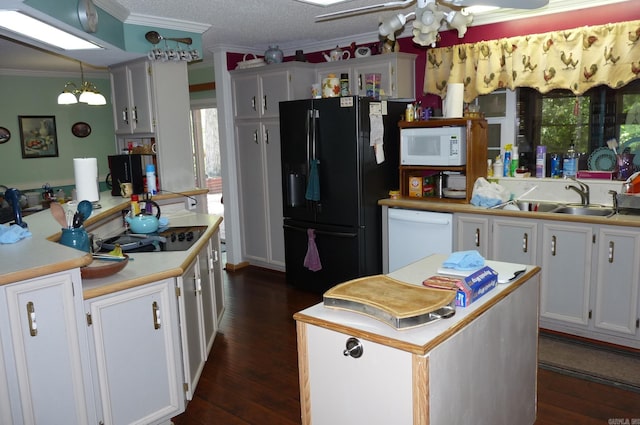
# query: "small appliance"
433, 146
129, 169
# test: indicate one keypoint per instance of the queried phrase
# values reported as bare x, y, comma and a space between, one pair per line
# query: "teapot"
337, 54
145, 222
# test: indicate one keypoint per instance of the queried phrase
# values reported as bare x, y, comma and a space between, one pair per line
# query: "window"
559, 118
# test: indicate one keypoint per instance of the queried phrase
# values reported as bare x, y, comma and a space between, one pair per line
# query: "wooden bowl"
103, 268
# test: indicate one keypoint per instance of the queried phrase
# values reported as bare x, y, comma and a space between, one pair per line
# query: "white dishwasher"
414, 234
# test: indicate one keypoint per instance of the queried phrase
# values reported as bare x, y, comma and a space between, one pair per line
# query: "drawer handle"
353, 348
156, 315
31, 316
253, 103
125, 115
525, 243
477, 237
553, 245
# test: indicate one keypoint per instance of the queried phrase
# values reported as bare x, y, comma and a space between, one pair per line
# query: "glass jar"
273, 55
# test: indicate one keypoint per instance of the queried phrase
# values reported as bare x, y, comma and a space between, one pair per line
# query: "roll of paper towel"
453, 101
86, 174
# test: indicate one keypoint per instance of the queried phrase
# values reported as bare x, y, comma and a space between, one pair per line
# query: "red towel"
312, 259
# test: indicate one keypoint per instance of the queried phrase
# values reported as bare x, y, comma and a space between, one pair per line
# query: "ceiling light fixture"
428, 18
35, 29
86, 93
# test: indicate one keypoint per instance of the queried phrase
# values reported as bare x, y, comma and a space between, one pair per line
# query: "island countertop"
419, 340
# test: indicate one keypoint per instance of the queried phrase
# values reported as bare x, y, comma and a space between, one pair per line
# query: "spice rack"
476, 166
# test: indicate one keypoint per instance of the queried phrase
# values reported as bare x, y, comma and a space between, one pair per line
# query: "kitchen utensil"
78, 219
154, 37
85, 208
59, 214
103, 268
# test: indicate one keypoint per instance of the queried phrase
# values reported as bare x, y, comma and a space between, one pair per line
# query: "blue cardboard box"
476, 285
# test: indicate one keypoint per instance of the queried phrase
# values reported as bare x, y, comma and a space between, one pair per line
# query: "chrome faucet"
583, 190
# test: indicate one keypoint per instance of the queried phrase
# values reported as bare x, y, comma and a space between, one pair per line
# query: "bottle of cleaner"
151, 179
570, 163
515, 160
409, 113
507, 161
135, 205
497, 167
541, 161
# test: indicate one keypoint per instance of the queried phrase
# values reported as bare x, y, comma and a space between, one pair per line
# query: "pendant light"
87, 93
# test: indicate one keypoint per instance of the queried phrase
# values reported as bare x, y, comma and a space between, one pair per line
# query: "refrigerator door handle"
322, 232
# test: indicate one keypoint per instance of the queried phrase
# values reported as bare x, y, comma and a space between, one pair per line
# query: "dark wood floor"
251, 376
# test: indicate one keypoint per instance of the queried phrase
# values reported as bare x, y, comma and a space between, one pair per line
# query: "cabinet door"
136, 342
342, 387
566, 272
209, 317
617, 281
141, 102
472, 233
514, 241
273, 207
275, 89
216, 274
246, 99
120, 98
252, 196
49, 350
191, 326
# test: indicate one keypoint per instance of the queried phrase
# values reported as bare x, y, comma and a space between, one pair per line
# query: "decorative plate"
81, 129
602, 159
5, 135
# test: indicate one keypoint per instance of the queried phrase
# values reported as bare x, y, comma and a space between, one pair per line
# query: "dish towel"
464, 260
313, 186
13, 234
376, 135
312, 259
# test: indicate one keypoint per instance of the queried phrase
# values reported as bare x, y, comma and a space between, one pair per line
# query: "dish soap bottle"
570, 163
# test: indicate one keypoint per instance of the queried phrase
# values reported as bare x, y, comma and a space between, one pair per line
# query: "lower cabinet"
590, 278
45, 373
135, 341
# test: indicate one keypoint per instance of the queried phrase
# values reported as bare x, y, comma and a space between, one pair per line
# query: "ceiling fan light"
66, 98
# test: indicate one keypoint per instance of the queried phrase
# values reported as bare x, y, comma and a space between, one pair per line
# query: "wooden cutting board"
399, 304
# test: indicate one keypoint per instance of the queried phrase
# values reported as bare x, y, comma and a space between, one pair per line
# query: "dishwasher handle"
413, 217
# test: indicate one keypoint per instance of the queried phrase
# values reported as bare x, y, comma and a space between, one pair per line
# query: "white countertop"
420, 339
40, 255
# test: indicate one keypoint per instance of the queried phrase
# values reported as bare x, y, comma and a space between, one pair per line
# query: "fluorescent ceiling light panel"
33, 28
323, 2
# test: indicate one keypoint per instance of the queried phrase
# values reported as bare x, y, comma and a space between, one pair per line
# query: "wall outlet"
191, 204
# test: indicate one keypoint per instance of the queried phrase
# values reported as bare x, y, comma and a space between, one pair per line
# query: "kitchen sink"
584, 210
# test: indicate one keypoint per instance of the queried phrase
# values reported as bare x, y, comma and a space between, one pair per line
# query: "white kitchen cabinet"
259, 175
131, 99
206, 266
256, 96
215, 271
471, 232
397, 72
136, 346
514, 241
160, 91
258, 93
566, 272
46, 369
615, 307
190, 308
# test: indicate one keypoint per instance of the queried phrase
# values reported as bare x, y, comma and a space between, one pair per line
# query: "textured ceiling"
252, 25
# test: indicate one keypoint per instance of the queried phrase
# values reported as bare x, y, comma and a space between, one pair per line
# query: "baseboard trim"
235, 267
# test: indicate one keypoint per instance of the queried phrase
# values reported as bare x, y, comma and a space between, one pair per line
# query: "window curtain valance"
575, 59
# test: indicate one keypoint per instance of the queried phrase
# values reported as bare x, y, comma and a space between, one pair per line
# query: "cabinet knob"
353, 348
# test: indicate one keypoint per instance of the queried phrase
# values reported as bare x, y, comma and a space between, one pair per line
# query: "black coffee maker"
129, 169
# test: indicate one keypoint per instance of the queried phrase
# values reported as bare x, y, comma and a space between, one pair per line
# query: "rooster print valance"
576, 59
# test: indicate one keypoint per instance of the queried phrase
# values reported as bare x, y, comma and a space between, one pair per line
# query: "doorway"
206, 146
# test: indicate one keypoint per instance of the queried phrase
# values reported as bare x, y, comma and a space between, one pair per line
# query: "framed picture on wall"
38, 137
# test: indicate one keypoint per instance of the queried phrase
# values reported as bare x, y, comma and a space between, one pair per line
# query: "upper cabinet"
258, 94
131, 99
397, 74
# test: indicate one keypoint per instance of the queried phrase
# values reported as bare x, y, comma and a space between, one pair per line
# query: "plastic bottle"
570, 163
344, 84
497, 167
541, 161
556, 171
489, 168
515, 160
151, 179
135, 205
507, 161
409, 113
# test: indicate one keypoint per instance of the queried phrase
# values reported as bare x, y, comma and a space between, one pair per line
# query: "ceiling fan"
430, 15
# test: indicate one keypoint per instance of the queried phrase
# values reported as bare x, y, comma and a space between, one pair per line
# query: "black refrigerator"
331, 183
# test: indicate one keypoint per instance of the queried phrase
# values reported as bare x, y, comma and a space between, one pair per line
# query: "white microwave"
433, 146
